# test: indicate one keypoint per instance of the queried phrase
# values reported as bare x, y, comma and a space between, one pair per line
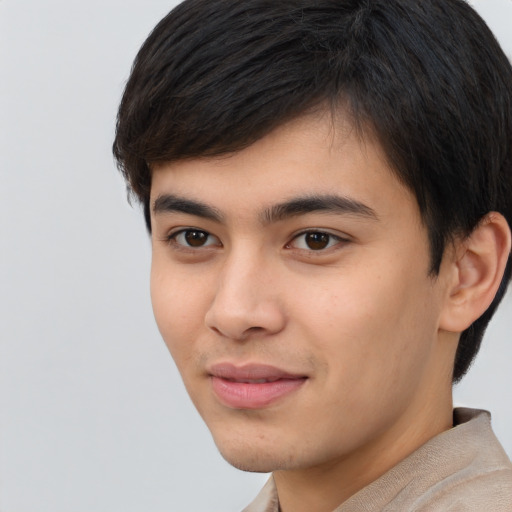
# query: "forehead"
311, 155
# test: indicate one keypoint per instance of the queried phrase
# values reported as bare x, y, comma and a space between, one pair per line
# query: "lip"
252, 386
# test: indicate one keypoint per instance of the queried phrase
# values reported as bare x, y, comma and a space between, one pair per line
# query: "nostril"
243, 318
239, 336
255, 329
251, 331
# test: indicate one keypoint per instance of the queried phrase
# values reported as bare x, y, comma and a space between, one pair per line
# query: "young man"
328, 187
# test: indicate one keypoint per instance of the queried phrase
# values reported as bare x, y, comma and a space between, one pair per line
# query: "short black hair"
427, 77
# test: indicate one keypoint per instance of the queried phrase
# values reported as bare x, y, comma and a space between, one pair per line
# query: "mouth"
252, 386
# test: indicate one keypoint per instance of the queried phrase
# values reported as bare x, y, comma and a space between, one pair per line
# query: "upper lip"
251, 372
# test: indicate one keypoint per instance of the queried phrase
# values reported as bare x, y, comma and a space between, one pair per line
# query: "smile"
255, 381
252, 386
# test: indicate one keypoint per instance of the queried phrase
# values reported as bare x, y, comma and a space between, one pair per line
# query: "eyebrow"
317, 203
167, 203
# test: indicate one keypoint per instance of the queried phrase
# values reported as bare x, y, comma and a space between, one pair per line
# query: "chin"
251, 466
254, 457
254, 463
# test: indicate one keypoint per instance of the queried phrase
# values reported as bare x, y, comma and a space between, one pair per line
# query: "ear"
476, 268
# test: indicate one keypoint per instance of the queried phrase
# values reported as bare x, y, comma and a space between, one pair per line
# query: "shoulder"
482, 477
464, 469
491, 490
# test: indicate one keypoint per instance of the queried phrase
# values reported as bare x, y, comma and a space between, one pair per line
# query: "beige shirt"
464, 469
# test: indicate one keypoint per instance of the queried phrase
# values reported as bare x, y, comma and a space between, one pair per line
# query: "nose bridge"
245, 301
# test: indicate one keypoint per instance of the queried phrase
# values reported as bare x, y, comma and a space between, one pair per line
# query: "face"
290, 282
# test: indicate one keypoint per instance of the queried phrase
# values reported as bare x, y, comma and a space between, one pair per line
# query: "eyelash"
172, 239
331, 242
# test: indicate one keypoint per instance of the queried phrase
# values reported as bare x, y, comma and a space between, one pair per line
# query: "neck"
324, 487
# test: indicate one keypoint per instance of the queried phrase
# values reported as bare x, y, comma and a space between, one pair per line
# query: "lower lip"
243, 395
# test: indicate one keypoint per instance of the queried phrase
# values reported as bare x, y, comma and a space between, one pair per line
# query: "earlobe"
477, 269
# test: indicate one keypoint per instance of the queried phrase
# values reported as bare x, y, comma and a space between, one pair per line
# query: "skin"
361, 318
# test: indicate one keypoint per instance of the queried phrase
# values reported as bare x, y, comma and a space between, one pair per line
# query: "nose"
246, 301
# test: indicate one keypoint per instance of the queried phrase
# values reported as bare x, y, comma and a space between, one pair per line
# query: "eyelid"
338, 237
171, 237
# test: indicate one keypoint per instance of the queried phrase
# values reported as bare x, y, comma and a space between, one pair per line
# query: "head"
422, 87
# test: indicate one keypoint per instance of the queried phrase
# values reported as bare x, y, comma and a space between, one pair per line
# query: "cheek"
179, 305
370, 329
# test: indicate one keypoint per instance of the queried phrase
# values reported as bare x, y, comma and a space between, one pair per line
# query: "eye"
315, 241
194, 238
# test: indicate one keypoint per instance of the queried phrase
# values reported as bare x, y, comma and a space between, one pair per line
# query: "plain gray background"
93, 416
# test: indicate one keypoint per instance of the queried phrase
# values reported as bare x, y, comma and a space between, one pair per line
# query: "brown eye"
317, 241
194, 238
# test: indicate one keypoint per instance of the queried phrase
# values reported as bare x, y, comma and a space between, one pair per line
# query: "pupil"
317, 241
196, 238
